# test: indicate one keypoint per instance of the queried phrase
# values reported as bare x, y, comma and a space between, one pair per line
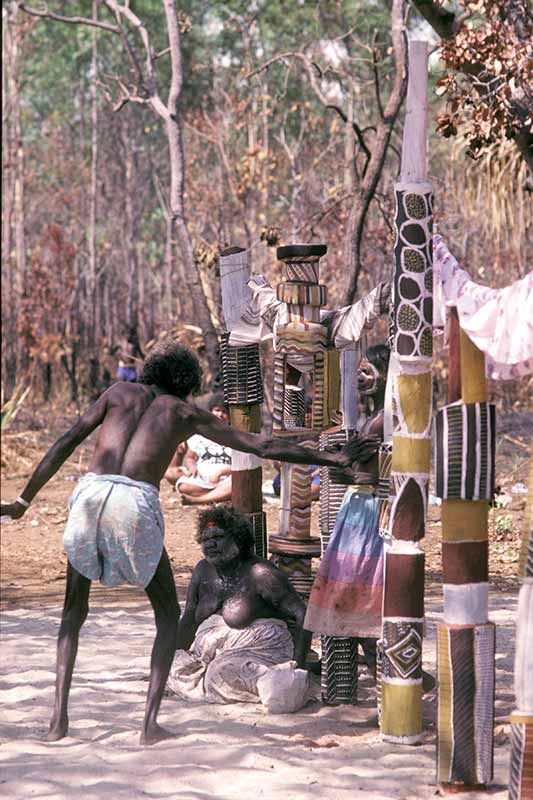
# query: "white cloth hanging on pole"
498, 321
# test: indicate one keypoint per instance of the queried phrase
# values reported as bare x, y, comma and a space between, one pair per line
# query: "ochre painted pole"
465, 639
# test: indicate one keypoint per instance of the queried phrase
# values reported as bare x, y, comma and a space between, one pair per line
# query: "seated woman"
235, 620
205, 474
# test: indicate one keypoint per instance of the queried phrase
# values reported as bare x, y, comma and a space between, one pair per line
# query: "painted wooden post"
243, 391
299, 339
464, 459
412, 348
521, 772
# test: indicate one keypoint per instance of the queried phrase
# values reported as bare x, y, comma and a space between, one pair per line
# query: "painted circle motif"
427, 310
415, 206
428, 281
413, 233
426, 342
408, 318
408, 288
413, 260
405, 344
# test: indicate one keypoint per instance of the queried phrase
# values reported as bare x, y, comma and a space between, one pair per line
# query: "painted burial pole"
243, 391
521, 772
301, 349
464, 478
411, 355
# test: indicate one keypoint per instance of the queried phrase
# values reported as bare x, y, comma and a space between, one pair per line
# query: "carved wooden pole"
521, 773
301, 346
243, 391
464, 459
412, 348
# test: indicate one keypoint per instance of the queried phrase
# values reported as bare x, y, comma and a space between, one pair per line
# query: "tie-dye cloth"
347, 592
114, 530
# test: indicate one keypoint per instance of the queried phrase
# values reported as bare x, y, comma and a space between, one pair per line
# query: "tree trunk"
372, 175
185, 257
18, 168
9, 349
91, 277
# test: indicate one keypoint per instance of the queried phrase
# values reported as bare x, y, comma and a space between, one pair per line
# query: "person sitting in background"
176, 468
205, 473
235, 621
129, 353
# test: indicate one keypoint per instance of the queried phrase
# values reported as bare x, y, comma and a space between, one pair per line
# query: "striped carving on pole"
466, 637
403, 591
243, 391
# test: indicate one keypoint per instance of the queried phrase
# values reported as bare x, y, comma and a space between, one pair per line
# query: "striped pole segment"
521, 768
411, 354
243, 391
464, 436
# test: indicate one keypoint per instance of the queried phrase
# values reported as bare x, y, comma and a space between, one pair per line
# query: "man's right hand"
361, 449
13, 510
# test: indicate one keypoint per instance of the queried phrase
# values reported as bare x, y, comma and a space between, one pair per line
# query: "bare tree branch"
377, 86
46, 14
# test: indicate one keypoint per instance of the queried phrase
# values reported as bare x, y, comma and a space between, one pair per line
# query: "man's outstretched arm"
57, 455
278, 449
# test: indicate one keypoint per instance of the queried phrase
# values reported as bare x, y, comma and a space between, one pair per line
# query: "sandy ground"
220, 752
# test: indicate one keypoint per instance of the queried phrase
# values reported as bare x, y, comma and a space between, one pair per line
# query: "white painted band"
466, 604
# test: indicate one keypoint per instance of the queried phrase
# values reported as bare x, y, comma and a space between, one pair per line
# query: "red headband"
210, 524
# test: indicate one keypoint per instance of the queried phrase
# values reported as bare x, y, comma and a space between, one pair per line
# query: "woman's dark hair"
217, 400
232, 521
379, 356
173, 367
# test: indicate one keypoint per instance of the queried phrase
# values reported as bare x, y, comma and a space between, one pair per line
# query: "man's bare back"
141, 426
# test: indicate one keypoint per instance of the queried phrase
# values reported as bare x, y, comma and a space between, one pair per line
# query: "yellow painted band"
401, 709
521, 719
246, 417
465, 520
445, 745
414, 392
410, 455
473, 380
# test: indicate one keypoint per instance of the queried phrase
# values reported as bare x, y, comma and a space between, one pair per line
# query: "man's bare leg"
162, 594
74, 615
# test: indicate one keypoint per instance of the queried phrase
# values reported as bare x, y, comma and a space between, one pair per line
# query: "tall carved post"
243, 391
465, 442
339, 675
301, 348
521, 773
412, 347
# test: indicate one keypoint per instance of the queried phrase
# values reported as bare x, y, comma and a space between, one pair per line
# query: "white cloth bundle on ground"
246, 665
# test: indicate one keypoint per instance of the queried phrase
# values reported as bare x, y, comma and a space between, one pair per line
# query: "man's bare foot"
58, 730
155, 734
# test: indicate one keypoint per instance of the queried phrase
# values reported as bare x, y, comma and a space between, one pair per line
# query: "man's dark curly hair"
232, 521
379, 356
173, 367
